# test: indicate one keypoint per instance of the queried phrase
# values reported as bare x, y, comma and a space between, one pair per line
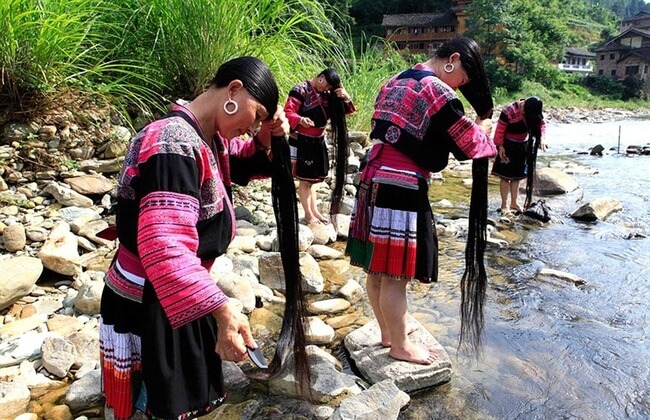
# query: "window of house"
630, 70
645, 69
613, 72
611, 56
602, 56
633, 42
452, 28
600, 72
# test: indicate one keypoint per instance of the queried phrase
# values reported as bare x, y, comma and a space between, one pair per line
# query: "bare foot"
413, 353
385, 340
312, 221
323, 219
516, 210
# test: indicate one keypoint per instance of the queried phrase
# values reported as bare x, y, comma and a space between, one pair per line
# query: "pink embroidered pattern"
167, 245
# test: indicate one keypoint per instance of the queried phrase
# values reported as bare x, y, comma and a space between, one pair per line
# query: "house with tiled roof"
627, 54
424, 32
577, 60
639, 21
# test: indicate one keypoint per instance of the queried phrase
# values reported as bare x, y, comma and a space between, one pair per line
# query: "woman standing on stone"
165, 324
520, 123
418, 121
310, 105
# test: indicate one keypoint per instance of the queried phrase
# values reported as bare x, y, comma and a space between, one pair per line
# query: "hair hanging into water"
260, 83
473, 284
533, 117
339, 138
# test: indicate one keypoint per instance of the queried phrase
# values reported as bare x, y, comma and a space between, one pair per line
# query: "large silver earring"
234, 109
448, 68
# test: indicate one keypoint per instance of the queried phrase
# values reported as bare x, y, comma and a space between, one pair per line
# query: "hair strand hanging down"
292, 335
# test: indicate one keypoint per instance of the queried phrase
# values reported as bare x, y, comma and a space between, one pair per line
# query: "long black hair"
477, 90
260, 83
339, 137
473, 284
256, 77
292, 334
533, 117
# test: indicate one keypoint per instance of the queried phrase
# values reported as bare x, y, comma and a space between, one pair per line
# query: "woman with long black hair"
310, 105
518, 136
165, 325
418, 121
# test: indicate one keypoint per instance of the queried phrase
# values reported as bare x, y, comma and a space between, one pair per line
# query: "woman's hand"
306, 122
233, 334
502, 155
343, 94
277, 126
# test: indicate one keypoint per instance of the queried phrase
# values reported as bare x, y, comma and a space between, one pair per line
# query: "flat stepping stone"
372, 360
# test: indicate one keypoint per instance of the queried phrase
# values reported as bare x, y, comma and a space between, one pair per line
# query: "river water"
554, 350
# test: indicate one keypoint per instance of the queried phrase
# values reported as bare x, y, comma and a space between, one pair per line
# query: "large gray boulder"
382, 401
371, 358
551, 181
597, 209
25, 271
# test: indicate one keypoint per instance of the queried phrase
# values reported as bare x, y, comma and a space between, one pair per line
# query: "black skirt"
181, 371
312, 162
516, 168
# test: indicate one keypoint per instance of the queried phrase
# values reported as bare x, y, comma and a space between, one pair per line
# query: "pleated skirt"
392, 231
167, 373
515, 168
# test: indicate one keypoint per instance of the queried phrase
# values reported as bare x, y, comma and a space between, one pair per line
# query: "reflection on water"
553, 350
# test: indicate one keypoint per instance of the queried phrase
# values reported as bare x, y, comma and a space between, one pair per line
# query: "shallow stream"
553, 350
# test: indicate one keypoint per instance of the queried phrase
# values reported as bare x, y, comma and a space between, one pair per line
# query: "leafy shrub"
604, 86
501, 77
633, 88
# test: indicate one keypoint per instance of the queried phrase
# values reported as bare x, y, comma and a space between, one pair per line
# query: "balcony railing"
576, 67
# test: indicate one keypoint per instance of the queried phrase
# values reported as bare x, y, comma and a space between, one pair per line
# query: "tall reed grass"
135, 53
367, 71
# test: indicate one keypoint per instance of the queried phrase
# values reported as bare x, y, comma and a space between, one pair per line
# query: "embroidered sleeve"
291, 108
500, 131
242, 148
472, 141
350, 108
167, 235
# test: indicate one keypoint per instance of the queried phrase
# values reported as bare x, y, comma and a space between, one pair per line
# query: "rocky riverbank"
57, 191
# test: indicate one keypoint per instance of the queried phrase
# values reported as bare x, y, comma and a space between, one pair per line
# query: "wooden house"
577, 60
628, 53
424, 32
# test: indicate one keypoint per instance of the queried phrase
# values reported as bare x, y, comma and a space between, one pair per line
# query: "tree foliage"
622, 8
522, 39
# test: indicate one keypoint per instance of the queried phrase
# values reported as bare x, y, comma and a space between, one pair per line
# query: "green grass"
578, 97
138, 55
